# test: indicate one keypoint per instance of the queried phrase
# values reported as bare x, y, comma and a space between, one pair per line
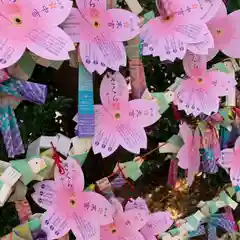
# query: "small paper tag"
37, 164
103, 184
175, 85
5, 192
62, 144
169, 95
10, 176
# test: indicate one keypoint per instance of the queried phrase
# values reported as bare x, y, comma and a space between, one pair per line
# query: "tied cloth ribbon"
208, 163
13, 91
209, 226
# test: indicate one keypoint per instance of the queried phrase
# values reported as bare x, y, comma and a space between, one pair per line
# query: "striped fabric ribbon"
209, 163
23, 209
214, 221
18, 89
118, 182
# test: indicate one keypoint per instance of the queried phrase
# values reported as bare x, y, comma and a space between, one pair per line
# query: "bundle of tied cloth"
12, 92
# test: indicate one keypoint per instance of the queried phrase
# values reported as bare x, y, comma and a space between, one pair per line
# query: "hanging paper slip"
85, 126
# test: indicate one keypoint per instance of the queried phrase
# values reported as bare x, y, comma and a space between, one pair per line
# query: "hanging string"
57, 160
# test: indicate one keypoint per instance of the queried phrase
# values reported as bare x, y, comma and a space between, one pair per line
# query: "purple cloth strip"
33, 92
16, 136
39, 235
10, 132
118, 182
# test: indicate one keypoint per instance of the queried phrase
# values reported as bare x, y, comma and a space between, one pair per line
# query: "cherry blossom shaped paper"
200, 92
188, 155
226, 33
70, 208
34, 27
101, 33
126, 225
157, 223
168, 36
119, 121
230, 160
204, 9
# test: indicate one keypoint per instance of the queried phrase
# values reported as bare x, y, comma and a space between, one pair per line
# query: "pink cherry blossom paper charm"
70, 208
126, 225
230, 160
200, 92
168, 36
157, 223
34, 27
100, 33
188, 155
226, 33
119, 121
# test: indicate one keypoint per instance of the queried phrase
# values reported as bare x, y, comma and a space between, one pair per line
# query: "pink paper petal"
132, 220
194, 65
104, 142
133, 236
91, 4
132, 138
124, 24
181, 8
72, 25
96, 208
45, 194
72, 177
212, 53
158, 223
222, 30
186, 133
114, 54
54, 225
222, 12
17, 10
222, 82
231, 48
194, 97
170, 48
49, 13
109, 232
143, 113
191, 32
209, 9
202, 47
51, 44
235, 171
237, 144
92, 57
183, 156
117, 206
138, 203
225, 160
114, 91
84, 230
10, 52
197, 140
